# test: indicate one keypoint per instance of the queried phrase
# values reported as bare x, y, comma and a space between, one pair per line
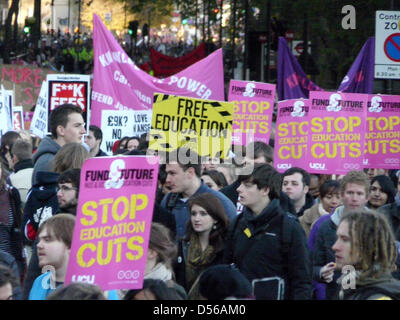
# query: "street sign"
387, 45
298, 47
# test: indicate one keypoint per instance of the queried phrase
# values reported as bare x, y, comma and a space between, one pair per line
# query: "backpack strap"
172, 198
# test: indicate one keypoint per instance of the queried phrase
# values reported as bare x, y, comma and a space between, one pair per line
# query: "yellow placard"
204, 126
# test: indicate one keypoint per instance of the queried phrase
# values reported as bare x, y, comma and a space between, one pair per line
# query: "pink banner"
253, 109
382, 137
336, 132
291, 134
113, 221
118, 84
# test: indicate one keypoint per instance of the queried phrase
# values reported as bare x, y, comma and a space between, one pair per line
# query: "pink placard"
382, 137
253, 109
291, 134
118, 84
113, 221
336, 132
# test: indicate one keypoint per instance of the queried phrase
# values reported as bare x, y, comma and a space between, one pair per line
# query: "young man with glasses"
68, 190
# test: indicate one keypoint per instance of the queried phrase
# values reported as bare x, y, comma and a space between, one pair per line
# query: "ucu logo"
83, 278
284, 166
319, 166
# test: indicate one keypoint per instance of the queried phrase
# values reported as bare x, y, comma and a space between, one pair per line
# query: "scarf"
160, 271
5, 205
197, 259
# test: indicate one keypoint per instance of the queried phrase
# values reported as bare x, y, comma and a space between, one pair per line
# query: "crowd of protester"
220, 228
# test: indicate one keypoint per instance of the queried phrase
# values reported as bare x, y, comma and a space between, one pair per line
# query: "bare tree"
36, 26
8, 43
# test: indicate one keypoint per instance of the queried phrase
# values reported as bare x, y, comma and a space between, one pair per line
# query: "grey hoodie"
43, 156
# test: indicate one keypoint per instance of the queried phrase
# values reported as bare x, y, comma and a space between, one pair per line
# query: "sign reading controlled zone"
387, 45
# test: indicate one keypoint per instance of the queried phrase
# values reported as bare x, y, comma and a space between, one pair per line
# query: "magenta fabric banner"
291, 134
118, 84
382, 137
113, 222
253, 109
336, 132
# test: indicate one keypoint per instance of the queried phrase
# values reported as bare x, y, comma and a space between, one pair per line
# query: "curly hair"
372, 241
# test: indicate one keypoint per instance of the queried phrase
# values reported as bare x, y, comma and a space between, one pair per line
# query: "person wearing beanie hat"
224, 281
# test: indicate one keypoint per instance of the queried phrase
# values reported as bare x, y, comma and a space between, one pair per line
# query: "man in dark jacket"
256, 242
296, 183
93, 139
66, 125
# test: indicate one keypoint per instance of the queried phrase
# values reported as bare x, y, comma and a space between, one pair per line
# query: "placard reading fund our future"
113, 222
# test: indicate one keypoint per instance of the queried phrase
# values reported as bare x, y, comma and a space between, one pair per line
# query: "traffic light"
145, 30
29, 22
27, 29
133, 27
216, 10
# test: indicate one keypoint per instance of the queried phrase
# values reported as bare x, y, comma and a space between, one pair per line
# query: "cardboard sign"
253, 109
382, 137
204, 126
291, 136
113, 222
6, 113
336, 132
71, 88
40, 117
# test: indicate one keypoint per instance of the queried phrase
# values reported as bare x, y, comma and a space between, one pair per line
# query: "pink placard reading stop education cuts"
291, 134
253, 109
336, 132
113, 221
382, 137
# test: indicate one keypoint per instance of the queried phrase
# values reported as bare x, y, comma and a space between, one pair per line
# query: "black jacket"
264, 257
392, 213
180, 264
285, 202
309, 203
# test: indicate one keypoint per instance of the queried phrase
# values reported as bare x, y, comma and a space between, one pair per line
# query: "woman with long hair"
381, 192
204, 241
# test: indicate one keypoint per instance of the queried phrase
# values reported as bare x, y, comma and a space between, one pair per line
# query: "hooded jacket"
43, 156
41, 204
384, 287
261, 257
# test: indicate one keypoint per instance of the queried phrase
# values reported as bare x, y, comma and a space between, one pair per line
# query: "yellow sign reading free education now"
204, 126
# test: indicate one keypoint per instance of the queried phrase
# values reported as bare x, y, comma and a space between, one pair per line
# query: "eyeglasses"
65, 188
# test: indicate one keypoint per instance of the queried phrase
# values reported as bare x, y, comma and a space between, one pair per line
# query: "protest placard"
39, 121
253, 108
71, 88
204, 126
336, 132
291, 135
6, 110
113, 222
382, 136
18, 118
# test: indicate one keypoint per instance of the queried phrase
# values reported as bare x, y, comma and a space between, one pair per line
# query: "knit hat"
222, 281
